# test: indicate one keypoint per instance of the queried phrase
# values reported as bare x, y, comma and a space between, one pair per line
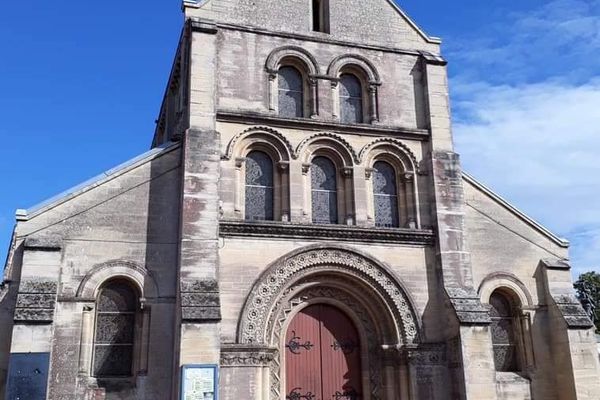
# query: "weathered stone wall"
367, 22
129, 218
243, 81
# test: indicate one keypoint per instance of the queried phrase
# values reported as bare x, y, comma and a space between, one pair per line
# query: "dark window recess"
385, 195
259, 186
351, 99
115, 330
320, 16
503, 333
324, 191
291, 93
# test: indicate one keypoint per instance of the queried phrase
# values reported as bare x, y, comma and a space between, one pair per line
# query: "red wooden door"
322, 356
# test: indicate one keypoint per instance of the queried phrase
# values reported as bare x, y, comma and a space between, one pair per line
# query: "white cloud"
538, 145
561, 37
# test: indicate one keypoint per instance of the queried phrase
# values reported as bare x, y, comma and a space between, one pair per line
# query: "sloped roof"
23, 215
515, 211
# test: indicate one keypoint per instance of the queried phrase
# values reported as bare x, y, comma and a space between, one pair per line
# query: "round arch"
389, 147
139, 276
505, 282
274, 60
279, 147
327, 142
351, 269
355, 61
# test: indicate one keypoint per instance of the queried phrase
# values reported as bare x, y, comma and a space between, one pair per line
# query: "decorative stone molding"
428, 354
498, 280
276, 138
235, 355
468, 307
137, 274
200, 300
286, 271
400, 148
36, 300
344, 148
296, 52
573, 313
234, 228
361, 62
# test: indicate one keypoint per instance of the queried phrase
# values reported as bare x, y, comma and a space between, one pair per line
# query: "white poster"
199, 383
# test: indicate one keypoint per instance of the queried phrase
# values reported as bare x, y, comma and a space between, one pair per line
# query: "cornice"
232, 228
253, 118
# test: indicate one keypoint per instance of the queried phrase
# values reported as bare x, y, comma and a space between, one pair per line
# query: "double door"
322, 356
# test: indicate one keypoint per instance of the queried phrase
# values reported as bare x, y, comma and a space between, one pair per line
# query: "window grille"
259, 186
351, 99
385, 195
291, 93
115, 327
503, 333
324, 191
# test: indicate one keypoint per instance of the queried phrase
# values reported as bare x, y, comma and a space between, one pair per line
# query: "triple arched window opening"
330, 191
297, 97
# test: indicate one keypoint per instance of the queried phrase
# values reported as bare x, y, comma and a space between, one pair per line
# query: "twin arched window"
115, 330
291, 93
385, 195
351, 99
324, 191
259, 186
504, 333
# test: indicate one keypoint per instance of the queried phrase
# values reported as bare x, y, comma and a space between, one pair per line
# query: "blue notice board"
199, 382
27, 376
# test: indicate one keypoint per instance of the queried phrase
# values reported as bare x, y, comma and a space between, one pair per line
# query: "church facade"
301, 229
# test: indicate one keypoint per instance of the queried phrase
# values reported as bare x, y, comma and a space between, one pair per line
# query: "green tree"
588, 292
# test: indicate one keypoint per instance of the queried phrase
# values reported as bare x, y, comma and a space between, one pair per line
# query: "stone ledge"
228, 228
245, 355
317, 125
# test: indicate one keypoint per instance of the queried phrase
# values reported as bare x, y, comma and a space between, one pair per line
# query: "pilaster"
197, 337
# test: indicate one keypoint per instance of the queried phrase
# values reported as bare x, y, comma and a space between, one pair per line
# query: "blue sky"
81, 85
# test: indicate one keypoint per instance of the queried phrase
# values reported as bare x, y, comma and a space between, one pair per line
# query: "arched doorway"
322, 356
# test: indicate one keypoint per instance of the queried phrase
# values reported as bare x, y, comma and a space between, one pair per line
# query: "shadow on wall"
8, 301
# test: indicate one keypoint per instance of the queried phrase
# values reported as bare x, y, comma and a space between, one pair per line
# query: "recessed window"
259, 186
324, 191
385, 195
351, 99
291, 93
115, 330
320, 16
503, 333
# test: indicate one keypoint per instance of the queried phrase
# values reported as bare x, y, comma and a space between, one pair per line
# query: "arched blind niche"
503, 333
385, 195
291, 93
115, 330
351, 99
324, 191
259, 187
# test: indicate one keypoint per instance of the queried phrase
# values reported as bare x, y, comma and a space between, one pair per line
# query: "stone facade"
213, 287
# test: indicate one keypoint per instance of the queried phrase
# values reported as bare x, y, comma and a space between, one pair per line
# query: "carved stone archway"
363, 287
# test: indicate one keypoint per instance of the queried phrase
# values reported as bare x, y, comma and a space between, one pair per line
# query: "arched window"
351, 99
503, 333
324, 191
385, 195
115, 330
291, 92
259, 186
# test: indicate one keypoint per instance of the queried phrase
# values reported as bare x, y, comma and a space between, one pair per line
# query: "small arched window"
503, 333
259, 186
291, 93
385, 195
324, 191
351, 99
115, 330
